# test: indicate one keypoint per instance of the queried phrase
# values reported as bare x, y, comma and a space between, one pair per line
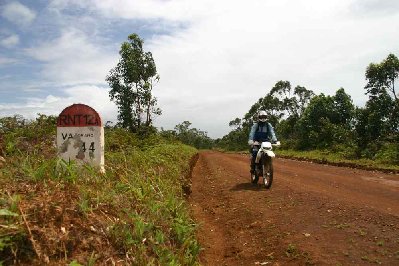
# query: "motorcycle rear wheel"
267, 169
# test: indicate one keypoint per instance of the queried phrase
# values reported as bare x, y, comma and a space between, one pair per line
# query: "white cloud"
375, 7
229, 53
73, 59
7, 60
215, 70
94, 96
144, 9
18, 14
10, 41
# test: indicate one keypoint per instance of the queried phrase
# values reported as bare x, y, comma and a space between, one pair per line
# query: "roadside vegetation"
339, 159
331, 128
190, 136
58, 212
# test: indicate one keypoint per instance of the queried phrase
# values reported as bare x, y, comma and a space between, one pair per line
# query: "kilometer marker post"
80, 136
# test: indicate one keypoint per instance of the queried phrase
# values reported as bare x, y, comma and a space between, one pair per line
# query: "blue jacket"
262, 133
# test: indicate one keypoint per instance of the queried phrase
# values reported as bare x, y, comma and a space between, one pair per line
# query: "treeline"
306, 121
189, 136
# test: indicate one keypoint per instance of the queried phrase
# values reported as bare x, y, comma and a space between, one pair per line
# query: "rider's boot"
252, 169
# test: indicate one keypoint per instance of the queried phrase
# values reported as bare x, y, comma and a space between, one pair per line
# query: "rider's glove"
250, 142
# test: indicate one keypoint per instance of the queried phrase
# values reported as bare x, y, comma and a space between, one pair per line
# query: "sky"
214, 58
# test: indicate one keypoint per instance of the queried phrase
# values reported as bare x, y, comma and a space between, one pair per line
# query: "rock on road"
313, 214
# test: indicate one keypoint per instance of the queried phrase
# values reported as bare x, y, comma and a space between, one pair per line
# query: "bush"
388, 153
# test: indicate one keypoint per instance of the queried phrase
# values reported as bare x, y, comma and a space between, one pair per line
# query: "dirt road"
313, 214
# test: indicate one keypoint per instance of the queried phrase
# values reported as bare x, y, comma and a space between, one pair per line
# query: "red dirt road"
313, 214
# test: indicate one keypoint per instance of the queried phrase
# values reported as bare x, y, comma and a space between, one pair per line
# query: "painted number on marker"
91, 147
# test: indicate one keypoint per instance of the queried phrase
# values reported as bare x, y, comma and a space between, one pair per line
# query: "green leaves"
5, 212
75, 263
379, 120
326, 121
190, 136
131, 83
381, 77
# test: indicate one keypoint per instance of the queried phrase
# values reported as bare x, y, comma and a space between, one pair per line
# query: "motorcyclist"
260, 132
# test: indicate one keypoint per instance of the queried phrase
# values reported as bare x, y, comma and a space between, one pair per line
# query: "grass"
293, 252
336, 158
137, 209
329, 157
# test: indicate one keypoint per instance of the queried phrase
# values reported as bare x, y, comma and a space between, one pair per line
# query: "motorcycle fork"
258, 166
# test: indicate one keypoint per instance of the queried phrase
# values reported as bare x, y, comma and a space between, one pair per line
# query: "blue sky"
215, 58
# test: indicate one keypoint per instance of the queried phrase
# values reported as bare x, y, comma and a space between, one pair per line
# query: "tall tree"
382, 77
303, 97
383, 103
236, 123
131, 83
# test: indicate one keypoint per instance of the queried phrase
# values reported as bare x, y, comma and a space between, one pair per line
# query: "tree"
382, 77
303, 97
373, 121
131, 83
344, 109
327, 121
192, 136
236, 123
290, 105
315, 123
283, 106
380, 120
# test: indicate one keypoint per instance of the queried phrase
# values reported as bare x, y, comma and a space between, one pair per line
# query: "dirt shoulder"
314, 214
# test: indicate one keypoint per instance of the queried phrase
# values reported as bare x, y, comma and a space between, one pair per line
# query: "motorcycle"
264, 163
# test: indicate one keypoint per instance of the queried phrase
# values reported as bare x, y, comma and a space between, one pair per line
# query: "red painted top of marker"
79, 115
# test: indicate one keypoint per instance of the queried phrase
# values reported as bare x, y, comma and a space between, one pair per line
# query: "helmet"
262, 115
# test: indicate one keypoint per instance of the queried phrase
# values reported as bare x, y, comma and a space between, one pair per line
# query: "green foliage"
131, 83
189, 136
19, 134
305, 121
283, 106
388, 153
381, 77
292, 251
326, 121
12, 234
75, 263
159, 223
142, 190
339, 156
235, 140
377, 124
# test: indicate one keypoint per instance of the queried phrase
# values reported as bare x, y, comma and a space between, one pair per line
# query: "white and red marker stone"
80, 135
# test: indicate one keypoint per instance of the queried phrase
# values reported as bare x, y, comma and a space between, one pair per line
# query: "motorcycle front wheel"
254, 178
267, 172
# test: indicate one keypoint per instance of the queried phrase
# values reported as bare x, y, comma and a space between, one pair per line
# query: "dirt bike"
264, 163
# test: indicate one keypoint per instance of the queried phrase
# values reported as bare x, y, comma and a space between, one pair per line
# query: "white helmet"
262, 116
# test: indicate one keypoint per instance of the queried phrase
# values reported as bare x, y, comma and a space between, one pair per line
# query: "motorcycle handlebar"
273, 144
